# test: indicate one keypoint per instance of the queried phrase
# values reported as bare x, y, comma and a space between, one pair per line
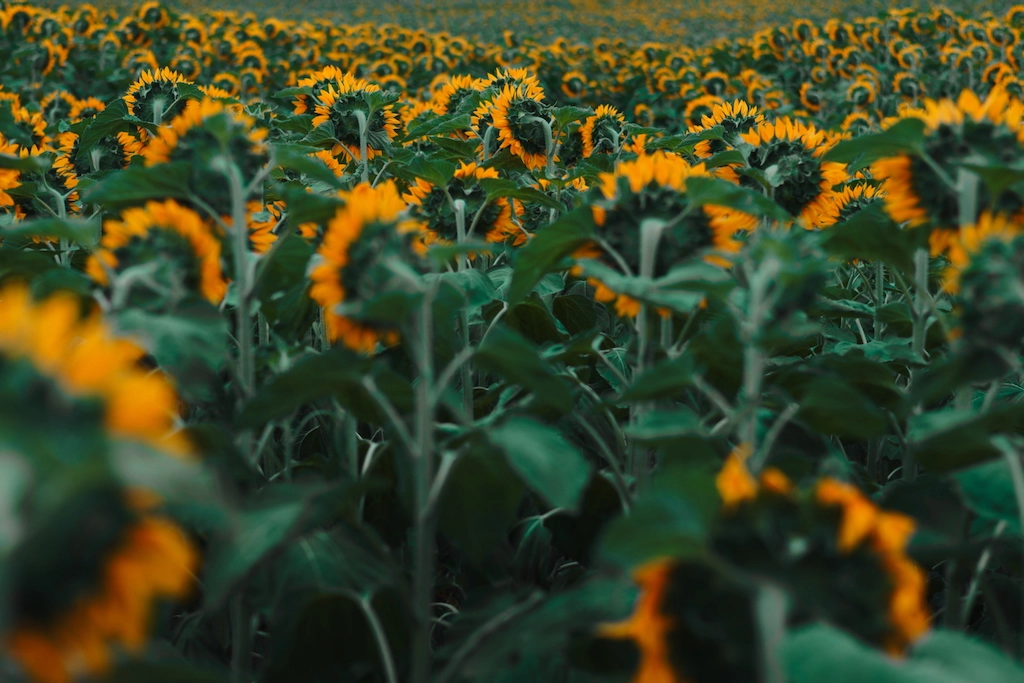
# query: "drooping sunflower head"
86, 109
155, 97
806, 182
519, 79
603, 132
57, 105
522, 124
343, 104
370, 228
734, 117
918, 188
178, 251
855, 197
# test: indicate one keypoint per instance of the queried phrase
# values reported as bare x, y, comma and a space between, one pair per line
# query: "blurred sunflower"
653, 186
918, 190
85, 575
180, 247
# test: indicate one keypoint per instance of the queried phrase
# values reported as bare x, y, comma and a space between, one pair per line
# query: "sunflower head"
522, 124
91, 558
155, 97
918, 190
734, 117
603, 132
344, 103
434, 208
650, 193
159, 253
371, 228
454, 91
804, 183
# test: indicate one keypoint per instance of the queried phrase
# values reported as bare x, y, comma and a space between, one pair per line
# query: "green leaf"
497, 188
680, 298
138, 184
508, 354
479, 500
550, 466
84, 232
905, 137
663, 380
256, 532
297, 158
948, 439
871, 235
988, 490
831, 406
29, 164
108, 122
701, 191
176, 339
545, 251
664, 424
441, 125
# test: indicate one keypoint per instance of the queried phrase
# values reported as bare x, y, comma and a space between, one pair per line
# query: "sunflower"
454, 91
154, 97
917, 194
184, 246
9, 177
653, 186
963, 246
604, 131
522, 123
855, 197
734, 117
370, 227
70, 609
338, 105
576, 85
430, 206
86, 109
263, 220
57, 105
806, 182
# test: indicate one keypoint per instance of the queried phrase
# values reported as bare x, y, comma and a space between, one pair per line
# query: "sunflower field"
370, 353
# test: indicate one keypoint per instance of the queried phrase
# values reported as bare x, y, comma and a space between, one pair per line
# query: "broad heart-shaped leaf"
547, 463
821, 653
515, 639
138, 184
948, 439
338, 373
108, 122
281, 280
260, 529
672, 520
987, 489
479, 499
905, 137
82, 232
701, 191
506, 353
664, 425
871, 235
568, 114
545, 251
441, 125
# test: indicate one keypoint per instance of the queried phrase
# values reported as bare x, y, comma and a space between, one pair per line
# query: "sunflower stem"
364, 130
463, 264
1013, 461
243, 315
754, 358
240, 654
423, 457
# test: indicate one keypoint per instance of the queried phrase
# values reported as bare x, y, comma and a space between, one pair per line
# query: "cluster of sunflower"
300, 183
849, 75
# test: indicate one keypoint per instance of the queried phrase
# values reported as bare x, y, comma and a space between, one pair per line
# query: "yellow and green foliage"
376, 352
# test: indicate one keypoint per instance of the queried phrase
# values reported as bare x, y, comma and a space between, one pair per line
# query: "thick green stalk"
423, 457
463, 264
